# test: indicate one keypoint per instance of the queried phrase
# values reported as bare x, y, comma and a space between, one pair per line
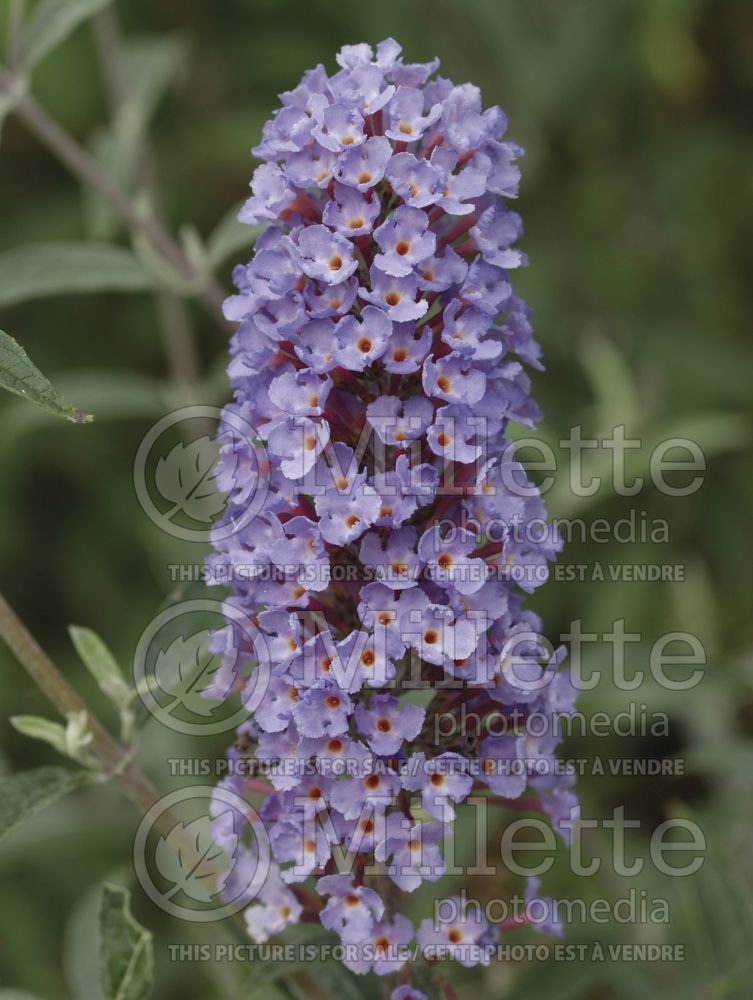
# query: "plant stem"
177, 336
65, 699
78, 161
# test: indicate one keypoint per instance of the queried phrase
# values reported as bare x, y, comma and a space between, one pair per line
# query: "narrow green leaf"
25, 794
101, 664
20, 375
11, 994
37, 728
150, 65
33, 272
126, 948
52, 22
230, 237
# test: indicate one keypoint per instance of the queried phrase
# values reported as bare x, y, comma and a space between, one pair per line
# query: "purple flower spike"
380, 356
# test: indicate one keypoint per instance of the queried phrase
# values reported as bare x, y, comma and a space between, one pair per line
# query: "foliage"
635, 192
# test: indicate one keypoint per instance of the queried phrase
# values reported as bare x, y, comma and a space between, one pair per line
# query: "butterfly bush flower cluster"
380, 355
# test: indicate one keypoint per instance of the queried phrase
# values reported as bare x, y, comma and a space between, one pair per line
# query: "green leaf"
149, 67
20, 375
101, 664
126, 948
52, 22
71, 740
33, 272
229, 238
151, 64
37, 728
11, 994
81, 961
25, 794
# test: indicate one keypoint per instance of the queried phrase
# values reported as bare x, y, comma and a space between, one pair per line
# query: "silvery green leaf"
18, 374
229, 238
27, 793
52, 22
126, 948
33, 272
150, 65
186, 477
37, 728
101, 665
190, 859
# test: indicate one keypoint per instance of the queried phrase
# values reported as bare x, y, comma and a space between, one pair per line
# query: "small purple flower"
411, 850
325, 255
459, 936
277, 909
416, 181
351, 796
344, 518
385, 725
441, 781
452, 432
437, 636
297, 442
407, 993
271, 195
396, 563
407, 120
440, 272
359, 344
458, 190
397, 296
398, 422
351, 909
339, 127
350, 213
313, 166
495, 232
544, 919
315, 346
327, 300
501, 765
363, 167
385, 949
486, 287
322, 711
449, 562
302, 393
453, 379
405, 241
470, 333
407, 349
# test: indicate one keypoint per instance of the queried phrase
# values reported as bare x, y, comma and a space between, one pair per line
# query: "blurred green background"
636, 196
